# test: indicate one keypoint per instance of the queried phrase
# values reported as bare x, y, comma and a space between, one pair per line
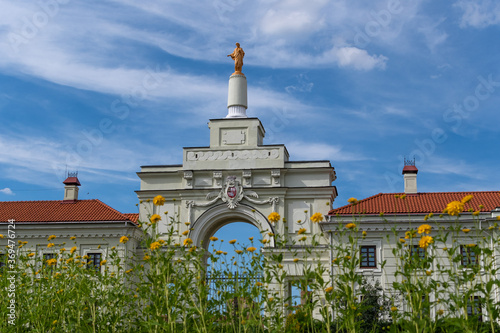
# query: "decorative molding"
247, 176
223, 155
218, 178
188, 176
231, 193
276, 173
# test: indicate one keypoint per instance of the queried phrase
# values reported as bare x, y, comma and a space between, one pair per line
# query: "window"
3, 259
469, 256
48, 256
474, 307
417, 252
94, 261
368, 256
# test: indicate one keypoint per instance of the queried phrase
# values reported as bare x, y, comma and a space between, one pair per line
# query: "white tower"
237, 96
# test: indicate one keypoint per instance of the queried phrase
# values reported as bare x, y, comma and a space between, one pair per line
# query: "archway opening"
230, 243
234, 268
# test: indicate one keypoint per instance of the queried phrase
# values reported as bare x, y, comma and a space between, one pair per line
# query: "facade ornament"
231, 193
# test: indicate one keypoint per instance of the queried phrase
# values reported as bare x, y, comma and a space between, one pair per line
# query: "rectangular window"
417, 252
94, 261
469, 257
368, 257
48, 256
474, 307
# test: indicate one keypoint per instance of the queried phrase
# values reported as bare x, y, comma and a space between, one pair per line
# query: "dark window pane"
368, 256
94, 261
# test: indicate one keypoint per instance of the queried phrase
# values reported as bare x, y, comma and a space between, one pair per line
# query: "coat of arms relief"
232, 193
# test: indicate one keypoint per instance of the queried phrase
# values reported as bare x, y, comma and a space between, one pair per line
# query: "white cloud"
7, 191
479, 13
359, 59
432, 34
320, 151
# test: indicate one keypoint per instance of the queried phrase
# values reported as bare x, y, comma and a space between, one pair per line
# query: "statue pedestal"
237, 96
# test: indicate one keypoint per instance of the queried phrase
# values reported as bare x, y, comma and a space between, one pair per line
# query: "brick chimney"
71, 187
410, 176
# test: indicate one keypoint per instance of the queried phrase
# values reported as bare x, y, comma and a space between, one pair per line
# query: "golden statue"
237, 56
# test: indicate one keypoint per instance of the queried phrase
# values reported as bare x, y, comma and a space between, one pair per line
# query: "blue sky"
105, 87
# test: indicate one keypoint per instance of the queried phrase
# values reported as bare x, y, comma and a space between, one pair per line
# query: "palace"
238, 178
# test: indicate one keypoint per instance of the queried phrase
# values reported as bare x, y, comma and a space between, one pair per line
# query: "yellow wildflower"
72, 238
123, 239
54, 322
51, 237
31, 254
467, 198
251, 249
159, 200
410, 234
103, 262
265, 241
50, 245
1, 236
232, 241
274, 217
250, 238
465, 230
350, 225
425, 241
476, 213
146, 257
184, 233
213, 239
238, 251
352, 201
481, 206
364, 233
424, 228
301, 231
219, 252
393, 308
155, 246
329, 289
52, 262
317, 217
259, 284
454, 208
428, 273
187, 242
295, 259
155, 218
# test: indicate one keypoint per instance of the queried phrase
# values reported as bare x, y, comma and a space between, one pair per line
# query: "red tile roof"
420, 203
59, 211
134, 217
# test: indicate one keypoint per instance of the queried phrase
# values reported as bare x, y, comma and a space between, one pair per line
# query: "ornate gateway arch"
238, 178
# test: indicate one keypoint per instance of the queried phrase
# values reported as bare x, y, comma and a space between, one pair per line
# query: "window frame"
474, 302
468, 250
375, 261
88, 264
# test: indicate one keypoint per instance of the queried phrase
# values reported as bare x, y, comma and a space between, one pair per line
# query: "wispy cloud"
320, 151
479, 13
7, 191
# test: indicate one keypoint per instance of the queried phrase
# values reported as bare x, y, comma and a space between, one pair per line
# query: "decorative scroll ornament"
231, 193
